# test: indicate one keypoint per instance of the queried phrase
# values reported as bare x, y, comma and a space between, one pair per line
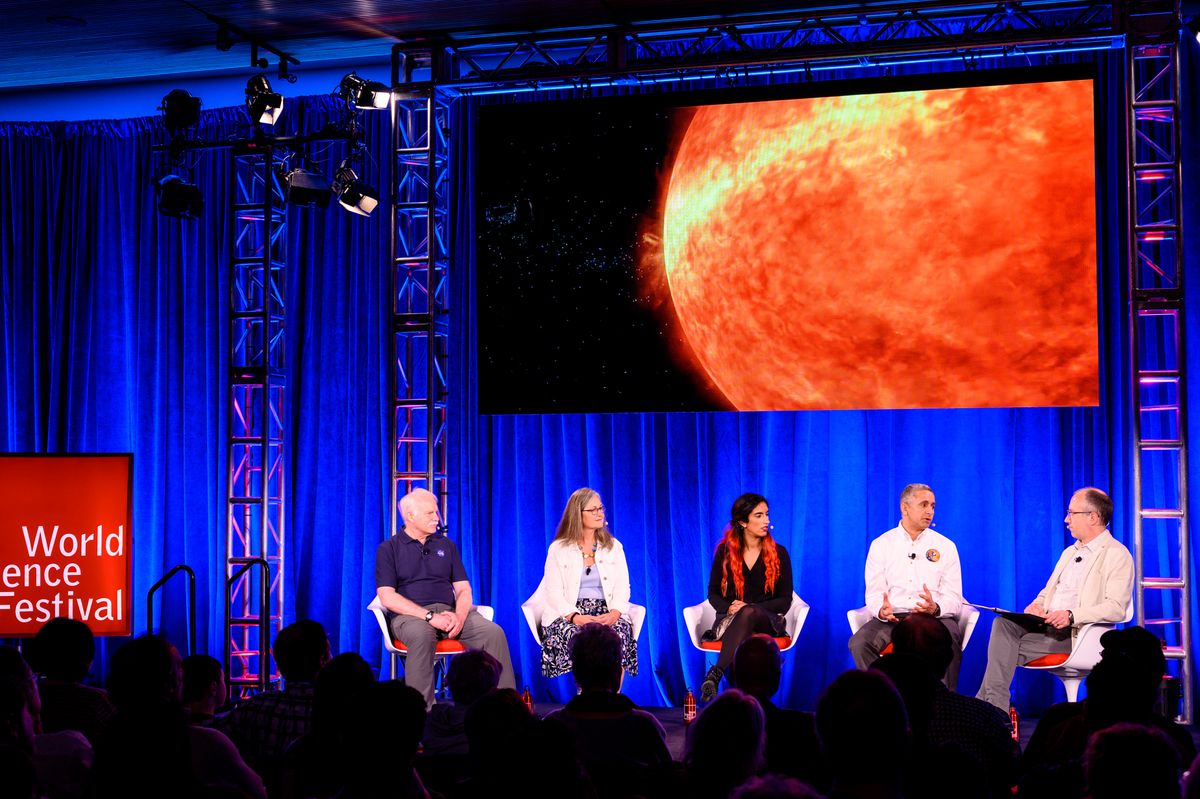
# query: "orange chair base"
1046, 661
715, 646
446, 647
887, 650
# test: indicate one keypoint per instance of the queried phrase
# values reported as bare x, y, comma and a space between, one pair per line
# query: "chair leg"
1072, 686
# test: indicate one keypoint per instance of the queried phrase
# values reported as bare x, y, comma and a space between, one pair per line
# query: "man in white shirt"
911, 569
1093, 582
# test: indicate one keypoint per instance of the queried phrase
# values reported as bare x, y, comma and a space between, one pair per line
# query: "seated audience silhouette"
471, 675
153, 751
312, 764
204, 690
384, 723
1128, 760
268, 722
725, 745
792, 746
863, 729
62, 653
979, 732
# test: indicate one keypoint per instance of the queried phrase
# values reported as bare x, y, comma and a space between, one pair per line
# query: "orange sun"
913, 249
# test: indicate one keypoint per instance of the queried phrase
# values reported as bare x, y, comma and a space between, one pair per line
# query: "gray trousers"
1012, 645
872, 637
421, 639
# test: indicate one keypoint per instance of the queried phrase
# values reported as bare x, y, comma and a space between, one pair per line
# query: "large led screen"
930, 248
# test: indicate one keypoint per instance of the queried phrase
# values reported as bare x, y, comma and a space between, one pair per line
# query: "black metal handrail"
191, 606
264, 619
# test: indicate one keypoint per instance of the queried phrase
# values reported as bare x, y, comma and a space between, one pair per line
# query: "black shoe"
711, 684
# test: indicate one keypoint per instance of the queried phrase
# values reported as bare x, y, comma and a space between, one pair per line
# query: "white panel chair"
966, 622
1073, 668
536, 604
445, 648
699, 619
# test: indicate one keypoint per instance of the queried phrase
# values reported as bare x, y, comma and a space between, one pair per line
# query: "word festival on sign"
31, 576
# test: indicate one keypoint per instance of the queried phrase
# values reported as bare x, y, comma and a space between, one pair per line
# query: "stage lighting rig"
263, 106
180, 111
353, 194
178, 198
360, 93
304, 187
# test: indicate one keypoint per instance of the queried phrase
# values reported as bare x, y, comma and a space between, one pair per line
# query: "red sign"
65, 542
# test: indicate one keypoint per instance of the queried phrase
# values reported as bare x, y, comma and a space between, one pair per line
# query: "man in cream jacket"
1093, 582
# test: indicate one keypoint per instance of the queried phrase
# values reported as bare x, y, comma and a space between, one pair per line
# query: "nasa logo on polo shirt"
932, 555
441, 553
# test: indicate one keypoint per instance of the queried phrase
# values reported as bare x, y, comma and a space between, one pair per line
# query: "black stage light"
263, 106
177, 197
353, 194
363, 93
301, 187
180, 110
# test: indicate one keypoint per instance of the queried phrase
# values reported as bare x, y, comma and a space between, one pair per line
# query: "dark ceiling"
81, 41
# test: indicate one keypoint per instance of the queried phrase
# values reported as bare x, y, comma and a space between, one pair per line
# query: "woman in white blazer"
586, 582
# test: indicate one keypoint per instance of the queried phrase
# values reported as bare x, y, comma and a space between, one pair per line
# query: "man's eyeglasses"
597, 509
1073, 512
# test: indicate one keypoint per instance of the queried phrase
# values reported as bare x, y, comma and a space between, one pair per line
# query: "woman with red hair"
750, 586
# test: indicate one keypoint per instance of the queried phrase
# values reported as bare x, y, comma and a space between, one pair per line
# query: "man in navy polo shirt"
421, 582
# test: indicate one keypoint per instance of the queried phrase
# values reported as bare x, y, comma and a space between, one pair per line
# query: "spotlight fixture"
353, 194
301, 187
362, 93
180, 110
263, 106
178, 198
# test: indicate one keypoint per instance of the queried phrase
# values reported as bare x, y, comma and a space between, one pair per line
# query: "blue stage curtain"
1002, 476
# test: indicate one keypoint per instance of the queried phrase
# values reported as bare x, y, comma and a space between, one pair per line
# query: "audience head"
1118, 690
203, 681
343, 678
927, 638
471, 675
774, 786
495, 717
861, 715
1131, 760
726, 744
1143, 648
63, 650
301, 649
757, 666
145, 674
596, 658
917, 684
384, 723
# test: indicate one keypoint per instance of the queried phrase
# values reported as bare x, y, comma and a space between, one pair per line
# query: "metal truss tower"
256, 476
419, 265
1154, 180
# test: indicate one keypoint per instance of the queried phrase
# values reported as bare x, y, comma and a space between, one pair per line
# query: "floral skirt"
556, 640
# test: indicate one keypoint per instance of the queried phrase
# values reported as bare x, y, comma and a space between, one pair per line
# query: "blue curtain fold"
115, 338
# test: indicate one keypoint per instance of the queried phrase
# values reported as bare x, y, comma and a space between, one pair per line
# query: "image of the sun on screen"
908, 249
